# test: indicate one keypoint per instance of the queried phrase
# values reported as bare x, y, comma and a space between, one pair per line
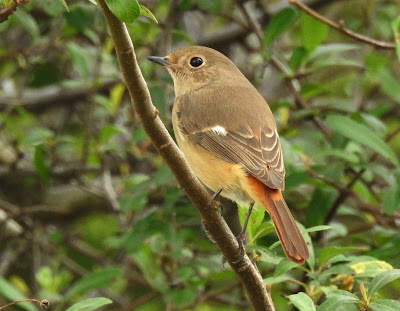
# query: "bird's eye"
196, 62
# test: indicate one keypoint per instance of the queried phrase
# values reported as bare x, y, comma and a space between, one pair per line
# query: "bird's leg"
216, 194
242, 236
217, 203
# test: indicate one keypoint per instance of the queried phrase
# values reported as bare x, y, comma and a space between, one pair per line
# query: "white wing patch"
219, 130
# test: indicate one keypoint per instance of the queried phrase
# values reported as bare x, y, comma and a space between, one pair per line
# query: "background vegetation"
89, 209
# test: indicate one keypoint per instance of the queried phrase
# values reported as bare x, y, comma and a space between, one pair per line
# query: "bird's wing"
250, 141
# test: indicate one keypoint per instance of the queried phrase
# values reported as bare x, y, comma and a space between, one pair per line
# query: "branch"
292, 83
44, 304
341, 28
345, 192
6, 12
49, 96
152, 124
235, 31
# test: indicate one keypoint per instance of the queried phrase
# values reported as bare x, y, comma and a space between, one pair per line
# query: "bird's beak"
163, 61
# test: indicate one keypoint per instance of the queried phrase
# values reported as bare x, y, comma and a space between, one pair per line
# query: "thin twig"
292, 83
44, 304
109, 189
301, 103
341, 28
345, 193
254, 25
164, 42
6, 12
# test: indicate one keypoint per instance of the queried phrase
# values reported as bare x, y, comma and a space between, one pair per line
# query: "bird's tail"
289, 234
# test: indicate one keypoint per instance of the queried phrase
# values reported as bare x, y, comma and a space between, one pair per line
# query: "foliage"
88, 209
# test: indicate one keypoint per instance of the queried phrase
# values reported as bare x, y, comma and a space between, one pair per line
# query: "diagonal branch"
291, 82
8, 11
152, 124
341, 28
346, 191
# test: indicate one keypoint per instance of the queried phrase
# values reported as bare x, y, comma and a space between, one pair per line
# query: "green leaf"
79, 58
184, 36
38, 136
255, 220
332, 49
396, 31
181, 296
109, 131
331, 251
40, 163
332, 303
51, 7
90, 304
146, 12
318, 64
318, 228
319, 205
28, 22
309, 90
302, 302
210, 5
64, 4
381, 280
390, 85
385, 305
263, 229
361, 134
391, 199
93, 280
10, 292
366, 266
80, 17
125, 10
312, 32
45, 278
266, 254
134, 202
284, 266
340, 292
339, 154
116, 95
279, 23
297, 57
336, 269
150, 267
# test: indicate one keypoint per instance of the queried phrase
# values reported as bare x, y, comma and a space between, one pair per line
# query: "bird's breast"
213, 171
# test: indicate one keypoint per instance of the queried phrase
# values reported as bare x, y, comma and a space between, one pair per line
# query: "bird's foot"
217, 204
240, 239
207, 232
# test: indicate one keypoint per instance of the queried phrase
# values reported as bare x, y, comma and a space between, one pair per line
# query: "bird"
228, 134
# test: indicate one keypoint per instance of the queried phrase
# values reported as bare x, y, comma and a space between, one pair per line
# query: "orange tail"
289, 234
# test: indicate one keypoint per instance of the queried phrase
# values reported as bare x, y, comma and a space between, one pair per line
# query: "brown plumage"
228, 134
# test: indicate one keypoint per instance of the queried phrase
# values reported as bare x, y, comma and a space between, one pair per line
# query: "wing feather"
258, 149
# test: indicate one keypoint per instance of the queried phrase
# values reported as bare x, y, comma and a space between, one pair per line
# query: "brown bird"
228, 134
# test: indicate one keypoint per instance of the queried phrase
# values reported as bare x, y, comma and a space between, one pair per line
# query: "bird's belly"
216, 173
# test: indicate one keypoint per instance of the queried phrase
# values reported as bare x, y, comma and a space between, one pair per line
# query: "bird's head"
195, 67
